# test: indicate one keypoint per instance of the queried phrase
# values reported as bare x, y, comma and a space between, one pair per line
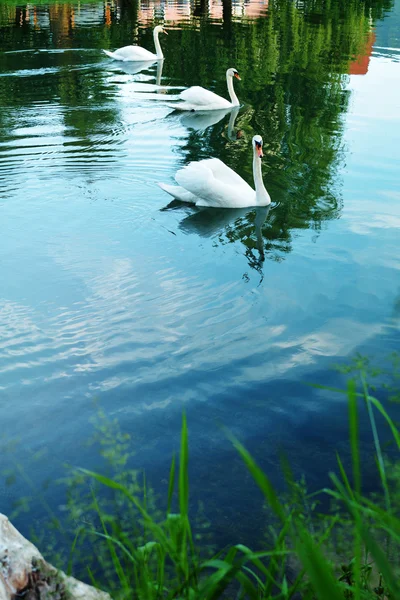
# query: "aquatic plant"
351, 552
339, 542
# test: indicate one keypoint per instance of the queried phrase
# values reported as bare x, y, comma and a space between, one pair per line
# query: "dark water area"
109, 292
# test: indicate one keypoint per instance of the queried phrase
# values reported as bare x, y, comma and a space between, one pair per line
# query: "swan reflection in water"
133, 68
201, 120
233, 224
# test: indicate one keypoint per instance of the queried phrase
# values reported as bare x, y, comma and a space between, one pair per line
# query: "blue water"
108, 293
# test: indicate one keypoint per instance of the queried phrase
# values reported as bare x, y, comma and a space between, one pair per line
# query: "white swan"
130, 53
198, 98
211, 183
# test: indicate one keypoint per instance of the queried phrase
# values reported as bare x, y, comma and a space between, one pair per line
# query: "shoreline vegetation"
124, 544
113, 531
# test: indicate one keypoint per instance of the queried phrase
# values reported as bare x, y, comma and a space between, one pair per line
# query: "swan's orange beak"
259, 150
238, 76
165, 31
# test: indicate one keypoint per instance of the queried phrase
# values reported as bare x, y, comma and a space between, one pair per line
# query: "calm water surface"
108, 291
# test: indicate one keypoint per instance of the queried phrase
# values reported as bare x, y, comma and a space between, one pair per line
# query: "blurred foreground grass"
124, 543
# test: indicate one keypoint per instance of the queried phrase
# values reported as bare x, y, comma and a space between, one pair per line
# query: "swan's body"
198, 98
211, 183
136, 53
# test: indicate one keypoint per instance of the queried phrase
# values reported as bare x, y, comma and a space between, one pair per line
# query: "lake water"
109, 292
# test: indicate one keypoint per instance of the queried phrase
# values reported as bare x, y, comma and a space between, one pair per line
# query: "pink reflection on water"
179, 11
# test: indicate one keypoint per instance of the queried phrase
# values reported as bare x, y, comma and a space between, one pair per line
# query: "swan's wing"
178, 192
211, 180
134, 53
110, 54
225, 174
199, 96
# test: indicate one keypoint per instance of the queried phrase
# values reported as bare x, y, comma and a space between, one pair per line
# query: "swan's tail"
112, 54
182, 106
178, 192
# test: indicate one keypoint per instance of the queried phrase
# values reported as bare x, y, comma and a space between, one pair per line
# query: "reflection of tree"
61, 22
227, 13
293, 63
200, 8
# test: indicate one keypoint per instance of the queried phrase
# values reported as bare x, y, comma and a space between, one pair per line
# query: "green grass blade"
186, 535
114, 541
117, 486
144, 492
294, 589
378, 450
255, 558
343, 473
317, 568
382, 562
355, 455
92, 578
389, 521
160, 572
114, 557
214, 584
184, 470
328, 388
354, 441
252, 591
260, 478
273, 567
342, 490
171, 484
389, 421
225, 573
256, 577
156, 530
72, 551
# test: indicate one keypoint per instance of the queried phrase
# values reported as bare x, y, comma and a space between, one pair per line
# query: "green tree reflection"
293, 60
294, 65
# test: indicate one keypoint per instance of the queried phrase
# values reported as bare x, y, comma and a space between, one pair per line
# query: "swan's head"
257, 145
232, 73
160, 29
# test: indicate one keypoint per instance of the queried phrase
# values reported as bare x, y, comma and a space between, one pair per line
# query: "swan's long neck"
160, 65
233, 97
157, 44
262, 196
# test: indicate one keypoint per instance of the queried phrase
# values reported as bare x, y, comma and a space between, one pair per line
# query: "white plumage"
137, 53
131, 53
212, 183
198, 98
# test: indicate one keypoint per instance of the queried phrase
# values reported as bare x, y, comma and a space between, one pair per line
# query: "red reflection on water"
359, 66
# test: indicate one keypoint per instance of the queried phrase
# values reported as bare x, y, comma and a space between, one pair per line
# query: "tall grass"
116, 531
300, 561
